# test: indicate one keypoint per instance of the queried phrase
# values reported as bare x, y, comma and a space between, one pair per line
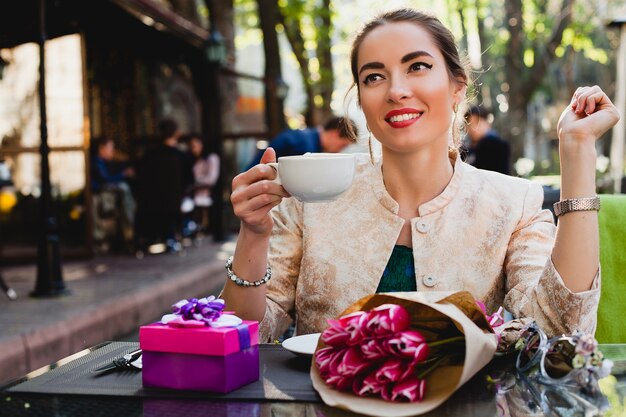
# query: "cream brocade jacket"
485, 233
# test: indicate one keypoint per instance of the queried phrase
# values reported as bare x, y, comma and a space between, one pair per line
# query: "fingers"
255, 194
589, 115
254, 210
257, 173
268, 156
587, 100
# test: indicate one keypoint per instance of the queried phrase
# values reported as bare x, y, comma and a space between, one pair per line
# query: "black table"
65, 389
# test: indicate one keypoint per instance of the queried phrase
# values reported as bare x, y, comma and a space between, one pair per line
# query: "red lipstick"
399, 118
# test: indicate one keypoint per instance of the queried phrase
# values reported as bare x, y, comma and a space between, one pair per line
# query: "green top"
399, 274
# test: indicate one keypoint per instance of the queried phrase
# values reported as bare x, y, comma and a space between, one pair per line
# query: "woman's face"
195, 146
107, 151
405, 88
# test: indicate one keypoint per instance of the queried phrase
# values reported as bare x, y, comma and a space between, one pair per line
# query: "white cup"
315, 177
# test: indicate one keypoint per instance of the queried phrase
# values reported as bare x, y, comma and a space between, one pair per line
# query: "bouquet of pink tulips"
375, 353
387, 349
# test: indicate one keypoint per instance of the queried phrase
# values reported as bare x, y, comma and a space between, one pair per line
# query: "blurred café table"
69, 387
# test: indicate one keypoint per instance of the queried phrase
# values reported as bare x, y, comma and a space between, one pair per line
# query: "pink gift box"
200, 359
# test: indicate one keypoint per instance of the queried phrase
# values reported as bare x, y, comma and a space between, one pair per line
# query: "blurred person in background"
115, 178
206, 171
484, 147
333, 137
164, 176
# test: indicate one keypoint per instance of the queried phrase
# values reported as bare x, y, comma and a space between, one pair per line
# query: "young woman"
420, 219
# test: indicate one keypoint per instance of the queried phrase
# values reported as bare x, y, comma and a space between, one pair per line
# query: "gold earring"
456, 140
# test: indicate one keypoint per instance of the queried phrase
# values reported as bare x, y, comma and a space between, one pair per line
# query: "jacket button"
421, 226
429, 281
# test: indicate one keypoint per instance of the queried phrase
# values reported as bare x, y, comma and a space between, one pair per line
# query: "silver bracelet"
242, 282
576, 204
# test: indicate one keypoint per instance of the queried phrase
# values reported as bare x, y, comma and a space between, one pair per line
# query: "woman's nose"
398, 90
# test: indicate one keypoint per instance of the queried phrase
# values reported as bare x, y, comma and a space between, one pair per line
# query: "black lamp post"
49, 276
216, 56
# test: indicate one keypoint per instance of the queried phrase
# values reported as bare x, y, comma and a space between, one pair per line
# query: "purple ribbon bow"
206, 309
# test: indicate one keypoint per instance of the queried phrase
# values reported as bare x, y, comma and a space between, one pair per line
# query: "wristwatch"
576, 204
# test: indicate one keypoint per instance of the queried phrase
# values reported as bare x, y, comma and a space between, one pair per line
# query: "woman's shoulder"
495, 179
505, 186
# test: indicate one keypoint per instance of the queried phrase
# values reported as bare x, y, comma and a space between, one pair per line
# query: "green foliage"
308, 24
546, 57
247, 18
246, 15
540, 17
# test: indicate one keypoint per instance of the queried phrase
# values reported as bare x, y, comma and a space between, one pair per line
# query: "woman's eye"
370, 78
419, 66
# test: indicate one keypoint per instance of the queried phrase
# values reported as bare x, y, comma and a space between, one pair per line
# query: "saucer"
303, 345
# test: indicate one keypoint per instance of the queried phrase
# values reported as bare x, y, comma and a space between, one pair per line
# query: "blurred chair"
10, 292
612, 309
108, 220
550, 196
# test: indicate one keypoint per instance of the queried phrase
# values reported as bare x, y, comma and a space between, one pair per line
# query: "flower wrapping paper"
457, 313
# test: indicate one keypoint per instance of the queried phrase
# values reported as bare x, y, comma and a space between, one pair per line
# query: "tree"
527, 46
308, 27
268, 20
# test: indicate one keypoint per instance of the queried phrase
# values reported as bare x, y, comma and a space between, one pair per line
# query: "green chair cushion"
612, 309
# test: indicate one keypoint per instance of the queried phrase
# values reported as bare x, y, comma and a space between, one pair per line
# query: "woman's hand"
255, 194
589, 115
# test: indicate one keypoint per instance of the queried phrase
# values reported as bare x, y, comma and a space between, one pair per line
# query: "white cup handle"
275, 166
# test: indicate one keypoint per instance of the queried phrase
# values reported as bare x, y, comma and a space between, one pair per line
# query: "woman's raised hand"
589, 115
255, 194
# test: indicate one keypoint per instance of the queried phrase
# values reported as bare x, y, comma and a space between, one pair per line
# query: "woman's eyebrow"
412, 55
372, 65
408, 57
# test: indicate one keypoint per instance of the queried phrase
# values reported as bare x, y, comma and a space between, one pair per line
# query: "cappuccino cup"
315, 177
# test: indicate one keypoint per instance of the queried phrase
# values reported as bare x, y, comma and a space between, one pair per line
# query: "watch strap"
576, 204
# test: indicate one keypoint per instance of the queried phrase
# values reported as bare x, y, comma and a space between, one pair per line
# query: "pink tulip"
374, 349
335, 334
335, 361
391, 370
342, 383
410, 389
323, 358
368, 386
385, 392
331, 360
409, 344
348, 330
354, 324
352, 362
387, 319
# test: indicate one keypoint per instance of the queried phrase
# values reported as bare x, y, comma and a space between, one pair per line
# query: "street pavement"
110, 297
